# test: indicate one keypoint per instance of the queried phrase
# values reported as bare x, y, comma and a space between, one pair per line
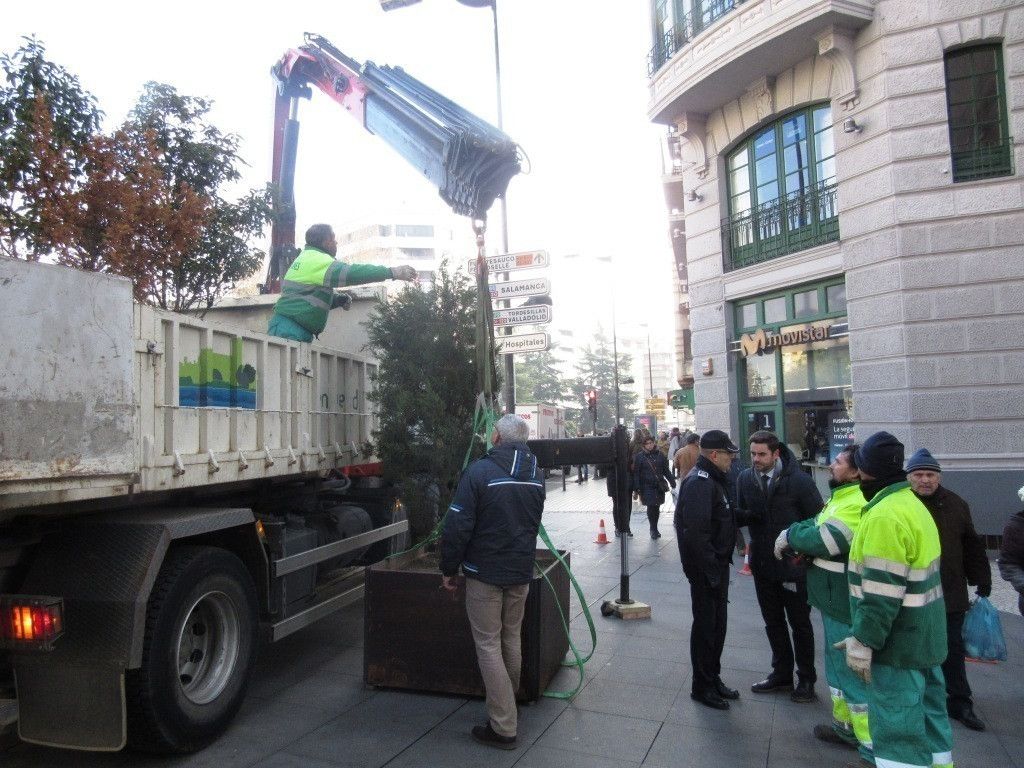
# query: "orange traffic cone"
745, 570
602, 537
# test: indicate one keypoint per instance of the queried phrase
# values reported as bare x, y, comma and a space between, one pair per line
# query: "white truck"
545, 419
171, 489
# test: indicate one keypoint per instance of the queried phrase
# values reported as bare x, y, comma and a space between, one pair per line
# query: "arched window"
782, 189
976, 101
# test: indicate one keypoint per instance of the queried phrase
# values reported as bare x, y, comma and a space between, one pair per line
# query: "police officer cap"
716, 439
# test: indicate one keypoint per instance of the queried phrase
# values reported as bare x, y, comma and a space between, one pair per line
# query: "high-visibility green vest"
827, 539
896, 600
307, 289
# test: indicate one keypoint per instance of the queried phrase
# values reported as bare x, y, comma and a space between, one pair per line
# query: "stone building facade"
846, 193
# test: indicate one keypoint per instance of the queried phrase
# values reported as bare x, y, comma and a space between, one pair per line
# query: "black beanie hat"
881, 456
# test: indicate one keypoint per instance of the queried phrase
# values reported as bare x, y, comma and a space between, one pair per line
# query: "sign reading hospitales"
515, 288
527, 342
506, 262
539, 315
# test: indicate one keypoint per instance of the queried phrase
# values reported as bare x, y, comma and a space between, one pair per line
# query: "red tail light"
30, 622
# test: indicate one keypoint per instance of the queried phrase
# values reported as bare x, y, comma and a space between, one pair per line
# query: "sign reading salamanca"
536, 287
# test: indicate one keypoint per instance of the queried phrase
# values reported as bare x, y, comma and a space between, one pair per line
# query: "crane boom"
469, 161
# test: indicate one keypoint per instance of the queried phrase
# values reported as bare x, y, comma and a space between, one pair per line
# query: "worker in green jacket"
898, 615
826, 538
307, 291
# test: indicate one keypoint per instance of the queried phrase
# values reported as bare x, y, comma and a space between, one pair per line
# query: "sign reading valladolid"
514, 288
505, 318
527, 342
506, 262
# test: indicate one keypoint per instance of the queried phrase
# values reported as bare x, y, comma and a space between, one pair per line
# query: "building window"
414, 230
782, 189
748, 315
976, 100
805, 304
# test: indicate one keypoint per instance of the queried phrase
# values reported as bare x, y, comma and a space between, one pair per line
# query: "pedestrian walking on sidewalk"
964, 561
675, 442
490, 532
898, 616
772, 495
706, 532
825, 540
582, 470
686, 456
652, 479
1011, 554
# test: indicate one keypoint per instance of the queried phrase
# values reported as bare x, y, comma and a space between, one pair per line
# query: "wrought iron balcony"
704, 13
792, 223
983, 162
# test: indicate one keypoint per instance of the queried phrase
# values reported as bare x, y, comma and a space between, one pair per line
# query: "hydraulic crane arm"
467, 159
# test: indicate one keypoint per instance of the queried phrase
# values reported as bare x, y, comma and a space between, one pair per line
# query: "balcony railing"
983, 162
703, 15
793, 223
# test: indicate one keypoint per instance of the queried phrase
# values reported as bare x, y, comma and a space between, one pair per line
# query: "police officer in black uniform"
706, 532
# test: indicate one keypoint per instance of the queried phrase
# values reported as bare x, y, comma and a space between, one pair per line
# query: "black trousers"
958, 691
653, 512
782, 610
707, 635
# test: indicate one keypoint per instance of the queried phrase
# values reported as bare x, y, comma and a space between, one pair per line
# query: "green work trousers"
849, 692
909, 724
286, 328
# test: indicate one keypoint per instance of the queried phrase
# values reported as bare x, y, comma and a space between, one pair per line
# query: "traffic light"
592, 402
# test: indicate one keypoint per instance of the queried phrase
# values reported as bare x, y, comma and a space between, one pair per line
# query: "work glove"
781, 544
404, 272
858, 657
984, 590
341, 299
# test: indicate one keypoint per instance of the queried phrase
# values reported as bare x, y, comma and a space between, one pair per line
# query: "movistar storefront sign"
766, 340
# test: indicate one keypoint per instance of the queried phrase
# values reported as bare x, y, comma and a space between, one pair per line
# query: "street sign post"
526, 342
535, 315
518, 288
506, 262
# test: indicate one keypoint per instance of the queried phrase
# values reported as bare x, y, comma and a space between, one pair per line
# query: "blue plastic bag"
983, 632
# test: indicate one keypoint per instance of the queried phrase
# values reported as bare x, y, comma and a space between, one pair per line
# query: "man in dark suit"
771, 495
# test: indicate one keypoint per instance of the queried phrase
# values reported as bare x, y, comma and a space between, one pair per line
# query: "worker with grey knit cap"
964, 562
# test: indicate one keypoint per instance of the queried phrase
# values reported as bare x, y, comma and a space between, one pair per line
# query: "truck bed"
101, 397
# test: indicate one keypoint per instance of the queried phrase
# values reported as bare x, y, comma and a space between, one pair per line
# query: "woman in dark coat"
650, 475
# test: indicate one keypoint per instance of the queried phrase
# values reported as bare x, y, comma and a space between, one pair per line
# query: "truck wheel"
200, 646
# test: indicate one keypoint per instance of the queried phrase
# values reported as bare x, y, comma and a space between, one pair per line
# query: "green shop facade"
792, 362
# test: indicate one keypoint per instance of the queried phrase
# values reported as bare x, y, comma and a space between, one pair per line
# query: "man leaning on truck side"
490, 531
307, 291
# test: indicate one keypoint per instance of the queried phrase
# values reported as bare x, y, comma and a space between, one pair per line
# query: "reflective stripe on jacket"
827, 539
896, 600
307, 289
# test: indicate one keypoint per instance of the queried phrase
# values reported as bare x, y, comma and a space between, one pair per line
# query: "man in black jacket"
706, 534
964, 562
772, 495
490, 531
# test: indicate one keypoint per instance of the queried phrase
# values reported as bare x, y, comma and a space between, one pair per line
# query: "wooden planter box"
417, 635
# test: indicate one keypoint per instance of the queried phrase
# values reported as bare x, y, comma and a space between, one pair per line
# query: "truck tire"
200, 647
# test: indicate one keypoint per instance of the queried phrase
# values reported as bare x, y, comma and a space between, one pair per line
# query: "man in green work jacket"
307, 292
827, 538
898, 617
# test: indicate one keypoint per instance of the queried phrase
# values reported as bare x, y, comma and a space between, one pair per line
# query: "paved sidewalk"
308, 707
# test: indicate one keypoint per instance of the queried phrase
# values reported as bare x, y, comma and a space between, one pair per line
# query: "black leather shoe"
655, 534
968, 718
710, 699
770, 684
725, 691
486, 735
803, 693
